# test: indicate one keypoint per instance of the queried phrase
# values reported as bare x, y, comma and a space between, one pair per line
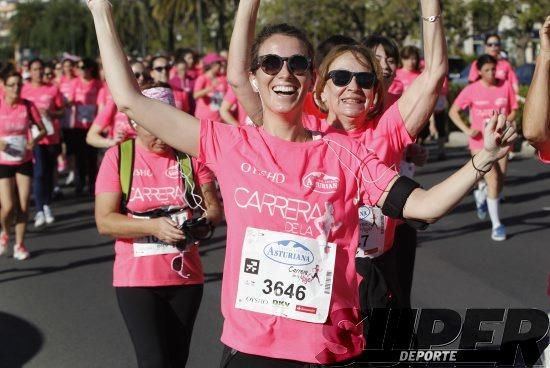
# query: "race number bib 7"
16, 147
371, 232
151, 246
286, 275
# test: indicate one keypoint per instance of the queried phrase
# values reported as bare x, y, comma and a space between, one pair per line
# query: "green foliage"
147, 26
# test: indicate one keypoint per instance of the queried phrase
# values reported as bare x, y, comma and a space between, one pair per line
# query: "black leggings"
160, 321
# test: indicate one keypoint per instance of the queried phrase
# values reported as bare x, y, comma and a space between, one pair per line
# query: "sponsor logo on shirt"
277, 178
501, 101
289, 252
143, 172
321, 182
173, 172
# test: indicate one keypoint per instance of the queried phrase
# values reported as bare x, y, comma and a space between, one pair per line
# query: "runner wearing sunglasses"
160, 73
158, 285
536, 120
504, 70
291, 201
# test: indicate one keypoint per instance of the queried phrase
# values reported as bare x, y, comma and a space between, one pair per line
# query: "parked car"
525, 73
461, 78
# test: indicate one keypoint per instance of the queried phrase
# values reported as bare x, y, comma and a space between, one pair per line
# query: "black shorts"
9, 171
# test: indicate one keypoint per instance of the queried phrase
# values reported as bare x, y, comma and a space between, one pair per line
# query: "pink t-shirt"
84, 96
482, 100
304, 189
406, 77
156, 183
46, 98
504, 71
387, 137
237, 110
396, 87
208, 107
15, 127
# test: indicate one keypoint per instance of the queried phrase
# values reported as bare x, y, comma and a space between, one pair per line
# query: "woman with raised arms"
289, 292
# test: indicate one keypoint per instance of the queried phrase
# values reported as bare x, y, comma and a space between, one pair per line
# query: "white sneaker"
70, 178
20, 252
39, 219
48, 215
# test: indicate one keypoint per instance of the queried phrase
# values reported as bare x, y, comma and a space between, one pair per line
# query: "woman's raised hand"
498, 136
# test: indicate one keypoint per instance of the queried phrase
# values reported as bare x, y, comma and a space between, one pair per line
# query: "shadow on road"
19, 341
40, 271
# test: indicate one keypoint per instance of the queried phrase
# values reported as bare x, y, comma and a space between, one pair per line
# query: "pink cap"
212, 58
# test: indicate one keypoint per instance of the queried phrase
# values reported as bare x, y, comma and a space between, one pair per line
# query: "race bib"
371, 232
286, 275
85, 113
16, 147
152, 246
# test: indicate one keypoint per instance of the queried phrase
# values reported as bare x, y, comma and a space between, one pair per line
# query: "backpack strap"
186, 170
126, 152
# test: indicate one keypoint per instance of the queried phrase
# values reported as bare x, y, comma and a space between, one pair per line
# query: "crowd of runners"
308, 154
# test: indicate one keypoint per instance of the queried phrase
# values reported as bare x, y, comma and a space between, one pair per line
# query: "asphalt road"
58, 309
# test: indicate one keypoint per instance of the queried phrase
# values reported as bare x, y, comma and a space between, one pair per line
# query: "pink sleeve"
473, 75
106, 115
216, 142
512, 76
35, 114
203, 174
375, 177
463, 99
391, 128
108, 180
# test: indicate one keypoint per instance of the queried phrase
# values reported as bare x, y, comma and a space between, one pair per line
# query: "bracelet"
431, 18
478, 170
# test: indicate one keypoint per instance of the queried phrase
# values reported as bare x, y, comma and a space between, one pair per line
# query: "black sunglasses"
160, 69
493, 44
272, 64
342, 78
138, 75
194, 230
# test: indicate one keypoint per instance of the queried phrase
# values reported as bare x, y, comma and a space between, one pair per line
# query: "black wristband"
478, 170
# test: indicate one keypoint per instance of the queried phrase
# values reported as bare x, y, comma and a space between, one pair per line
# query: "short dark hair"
485, 59
36, 60
489, 35
159, 57
9, 72
92, 65
330, 43
281, 29
409, 51
390, 47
